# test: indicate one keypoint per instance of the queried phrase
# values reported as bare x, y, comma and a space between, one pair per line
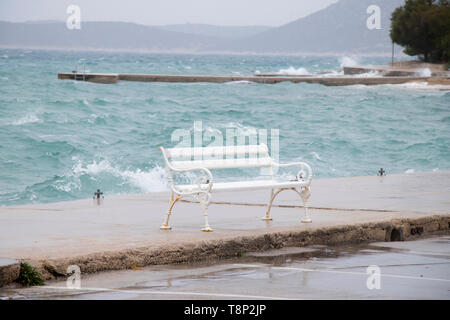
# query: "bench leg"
165, 225
204, 202
267, 217
305, 194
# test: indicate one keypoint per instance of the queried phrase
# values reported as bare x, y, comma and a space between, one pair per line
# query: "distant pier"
266, 79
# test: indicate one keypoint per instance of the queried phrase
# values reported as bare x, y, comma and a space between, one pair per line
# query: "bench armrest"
301, 175
204, 181
205, 178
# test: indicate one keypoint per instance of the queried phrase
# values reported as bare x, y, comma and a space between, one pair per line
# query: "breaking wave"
425, 72
348, 61
291, 71
29, 118
154, 180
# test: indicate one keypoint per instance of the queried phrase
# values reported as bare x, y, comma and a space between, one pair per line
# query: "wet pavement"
417, 269
78, 228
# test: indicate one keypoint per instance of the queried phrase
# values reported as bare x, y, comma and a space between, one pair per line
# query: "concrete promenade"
123, 232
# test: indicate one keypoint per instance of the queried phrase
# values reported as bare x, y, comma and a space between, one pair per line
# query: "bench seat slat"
224, 163
217, 152
245, 185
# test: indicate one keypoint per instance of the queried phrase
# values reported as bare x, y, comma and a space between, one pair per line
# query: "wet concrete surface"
417, 269
78, 228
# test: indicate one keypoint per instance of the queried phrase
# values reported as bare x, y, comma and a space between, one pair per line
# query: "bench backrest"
248, 156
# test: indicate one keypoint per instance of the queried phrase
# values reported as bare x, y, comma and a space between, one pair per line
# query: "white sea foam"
291, 71
28, 118
239, 82
331, 74
316, 156
406, 86
241, 129
151, 181
413, 85
65, 186
93, 168
369, 74
340, 73
348, 61
425, 72
409, 171
154, 180
420, 86
358, 86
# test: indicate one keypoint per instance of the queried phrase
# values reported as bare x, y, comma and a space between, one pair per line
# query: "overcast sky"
160, 12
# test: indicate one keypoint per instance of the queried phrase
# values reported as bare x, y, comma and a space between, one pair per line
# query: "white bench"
202, 160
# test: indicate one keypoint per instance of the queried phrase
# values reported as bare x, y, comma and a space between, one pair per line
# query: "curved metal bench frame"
204, 187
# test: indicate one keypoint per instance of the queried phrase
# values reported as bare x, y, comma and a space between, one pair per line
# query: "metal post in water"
392, 63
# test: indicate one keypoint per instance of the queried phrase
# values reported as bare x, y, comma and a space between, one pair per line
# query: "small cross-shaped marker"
98, 194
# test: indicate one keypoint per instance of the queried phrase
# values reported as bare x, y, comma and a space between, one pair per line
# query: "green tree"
423, 28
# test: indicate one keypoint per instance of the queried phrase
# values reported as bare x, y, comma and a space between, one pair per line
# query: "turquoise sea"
61, 140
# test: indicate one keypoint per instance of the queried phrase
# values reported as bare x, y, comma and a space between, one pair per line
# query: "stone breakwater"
268, 79
9, 270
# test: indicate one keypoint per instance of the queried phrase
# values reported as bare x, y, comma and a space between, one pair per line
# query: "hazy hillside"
340, 28
99, 35
216, 31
